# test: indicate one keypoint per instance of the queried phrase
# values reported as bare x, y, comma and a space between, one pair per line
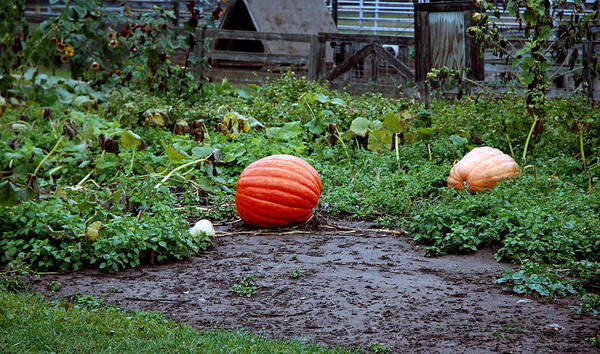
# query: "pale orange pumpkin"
481, 169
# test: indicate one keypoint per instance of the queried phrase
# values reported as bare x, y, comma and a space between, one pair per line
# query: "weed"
377, 347
590, 303
595, 340
296, 273
88, 301
14, 285
536, 278
246, 286
113, 290
507, 333
53, 286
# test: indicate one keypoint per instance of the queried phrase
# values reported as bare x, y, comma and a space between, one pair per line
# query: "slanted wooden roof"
281, 16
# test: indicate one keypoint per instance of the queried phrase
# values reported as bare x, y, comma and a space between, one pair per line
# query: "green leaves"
10, 194
536, 278
380, 133
174, 155
287, 131
360, 126
397, 122
379, 140
130, 139
246, 286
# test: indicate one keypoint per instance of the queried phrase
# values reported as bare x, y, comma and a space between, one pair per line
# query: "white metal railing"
397, 17
375, 16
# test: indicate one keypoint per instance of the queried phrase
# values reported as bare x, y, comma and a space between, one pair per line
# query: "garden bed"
351, 285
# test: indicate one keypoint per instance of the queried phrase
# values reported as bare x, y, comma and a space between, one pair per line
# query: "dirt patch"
354, 288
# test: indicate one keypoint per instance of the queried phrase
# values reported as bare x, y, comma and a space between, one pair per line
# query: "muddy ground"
355, 287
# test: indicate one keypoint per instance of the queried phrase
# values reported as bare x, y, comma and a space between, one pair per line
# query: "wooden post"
176, 10
587, 71
422, 60
317, 48
199, 52
374, 71
321, 54
334, 11
472, 53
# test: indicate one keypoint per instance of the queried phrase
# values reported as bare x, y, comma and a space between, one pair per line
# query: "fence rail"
397, 17
314, 61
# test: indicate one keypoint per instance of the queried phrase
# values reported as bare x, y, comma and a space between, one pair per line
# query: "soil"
356, 287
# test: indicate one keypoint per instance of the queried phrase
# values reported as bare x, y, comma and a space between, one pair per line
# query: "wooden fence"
373, 69
314, 65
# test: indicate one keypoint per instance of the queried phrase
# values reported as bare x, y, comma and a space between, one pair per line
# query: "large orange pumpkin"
481, 169
276, 191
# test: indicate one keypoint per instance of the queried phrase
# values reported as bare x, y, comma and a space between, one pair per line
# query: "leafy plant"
595, 340
14, 30
387, 134
507, 333
246, 286
550, 38
90, 302
53, 286
590, 303
536, 278
377, 347
297, 272
13, 285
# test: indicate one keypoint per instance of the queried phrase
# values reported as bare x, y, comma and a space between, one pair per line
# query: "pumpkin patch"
277, 191
481, 169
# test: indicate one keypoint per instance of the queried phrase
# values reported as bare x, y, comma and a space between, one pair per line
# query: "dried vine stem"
292, 232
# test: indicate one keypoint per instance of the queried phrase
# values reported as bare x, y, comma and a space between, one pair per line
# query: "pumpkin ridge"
256, 171
278, 183
280, 196
276, 180
273, 209
253, 218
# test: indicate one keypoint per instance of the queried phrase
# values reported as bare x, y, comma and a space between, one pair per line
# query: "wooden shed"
279, 16
441, 39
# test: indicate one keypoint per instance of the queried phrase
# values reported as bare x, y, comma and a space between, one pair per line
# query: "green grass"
30, 323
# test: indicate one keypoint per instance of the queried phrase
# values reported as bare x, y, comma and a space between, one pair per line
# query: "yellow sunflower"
69, 51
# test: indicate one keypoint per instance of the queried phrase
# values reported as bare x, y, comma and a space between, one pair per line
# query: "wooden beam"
445, 6
349, 62
257, 57
253, 35
402, 68
366, 38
